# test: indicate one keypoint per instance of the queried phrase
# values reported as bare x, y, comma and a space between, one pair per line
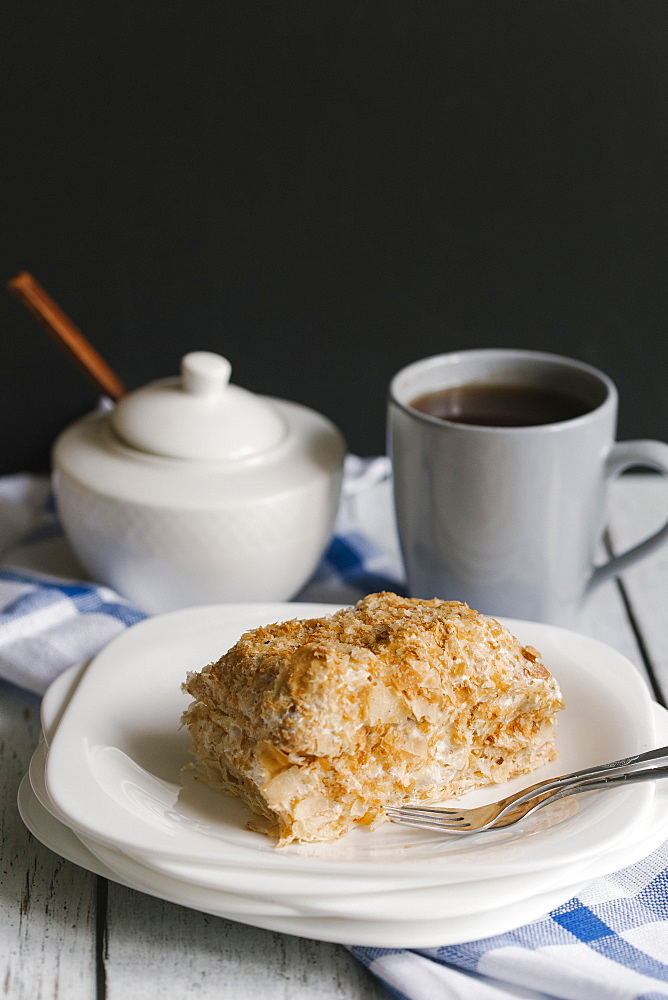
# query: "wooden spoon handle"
61, 328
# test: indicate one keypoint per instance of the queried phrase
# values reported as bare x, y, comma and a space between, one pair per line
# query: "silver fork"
647, 766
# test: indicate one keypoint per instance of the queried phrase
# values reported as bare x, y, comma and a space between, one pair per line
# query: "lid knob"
204, 373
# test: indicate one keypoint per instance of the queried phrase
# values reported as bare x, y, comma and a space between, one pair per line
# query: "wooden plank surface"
603, 616
47, 911
192, 954
639, 507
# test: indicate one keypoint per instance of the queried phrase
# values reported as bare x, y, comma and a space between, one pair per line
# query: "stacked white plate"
106, 790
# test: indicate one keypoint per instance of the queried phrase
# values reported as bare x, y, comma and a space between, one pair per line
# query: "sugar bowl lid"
198, 416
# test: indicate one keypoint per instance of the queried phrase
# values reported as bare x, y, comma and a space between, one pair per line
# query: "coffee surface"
488, 404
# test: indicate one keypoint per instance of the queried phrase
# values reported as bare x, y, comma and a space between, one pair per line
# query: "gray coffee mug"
508, 519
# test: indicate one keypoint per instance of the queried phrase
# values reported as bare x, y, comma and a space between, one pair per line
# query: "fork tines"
426, 818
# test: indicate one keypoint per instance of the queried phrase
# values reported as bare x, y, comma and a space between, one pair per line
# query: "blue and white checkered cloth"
608, 943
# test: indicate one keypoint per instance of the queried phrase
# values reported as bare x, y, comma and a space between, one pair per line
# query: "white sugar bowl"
195, 491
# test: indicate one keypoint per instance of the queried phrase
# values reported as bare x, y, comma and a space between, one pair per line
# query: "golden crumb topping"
319, 723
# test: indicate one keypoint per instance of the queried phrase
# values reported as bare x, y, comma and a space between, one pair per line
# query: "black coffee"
501, 405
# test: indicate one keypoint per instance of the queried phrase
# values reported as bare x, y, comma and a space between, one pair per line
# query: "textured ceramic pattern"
150, 554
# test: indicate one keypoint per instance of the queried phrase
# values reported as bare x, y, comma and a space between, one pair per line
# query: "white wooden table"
65, 933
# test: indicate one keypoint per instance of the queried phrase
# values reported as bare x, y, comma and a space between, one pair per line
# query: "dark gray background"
325, 191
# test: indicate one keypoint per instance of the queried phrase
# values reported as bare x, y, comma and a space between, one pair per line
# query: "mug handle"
624, 455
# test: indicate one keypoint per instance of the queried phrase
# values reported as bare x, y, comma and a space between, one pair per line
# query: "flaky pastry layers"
318, 724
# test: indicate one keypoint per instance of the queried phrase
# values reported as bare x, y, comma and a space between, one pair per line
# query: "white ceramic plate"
113, 770
247, 892
55, 835
494, 919
60, 839
302, 893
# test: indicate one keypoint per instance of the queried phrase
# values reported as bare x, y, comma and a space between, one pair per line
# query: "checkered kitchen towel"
608, 943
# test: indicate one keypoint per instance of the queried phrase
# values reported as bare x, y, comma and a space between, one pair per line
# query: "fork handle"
645, 765
627, 765
659, 755
516, 812
610, 780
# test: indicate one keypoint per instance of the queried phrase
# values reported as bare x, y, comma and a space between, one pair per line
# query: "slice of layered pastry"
318, 724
